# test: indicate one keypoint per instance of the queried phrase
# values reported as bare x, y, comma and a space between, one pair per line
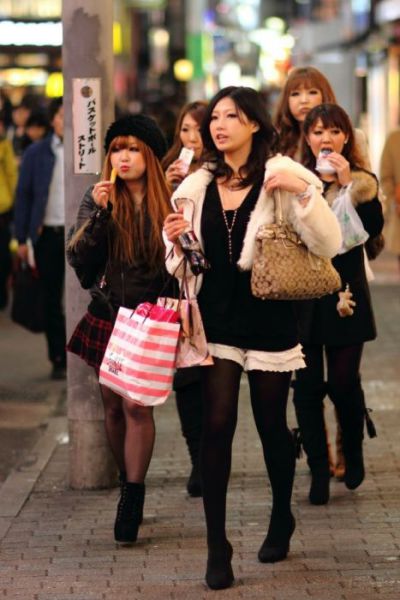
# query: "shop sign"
86, 120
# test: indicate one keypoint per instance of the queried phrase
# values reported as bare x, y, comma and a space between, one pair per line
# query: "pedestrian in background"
117, 251
227, 200
390, 181
187, 384
40, 216
8, 181
324, 331
305, 88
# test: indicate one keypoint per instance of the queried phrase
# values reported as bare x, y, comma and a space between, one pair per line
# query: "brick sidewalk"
60, 545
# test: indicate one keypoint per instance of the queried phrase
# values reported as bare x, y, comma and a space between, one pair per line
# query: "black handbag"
27, 308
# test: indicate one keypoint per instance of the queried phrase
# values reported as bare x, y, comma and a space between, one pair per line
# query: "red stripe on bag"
149, 329
131, 387
128, 337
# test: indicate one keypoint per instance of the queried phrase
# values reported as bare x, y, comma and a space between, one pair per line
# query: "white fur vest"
315, 223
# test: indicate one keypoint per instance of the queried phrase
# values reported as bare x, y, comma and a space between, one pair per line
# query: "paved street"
57, 544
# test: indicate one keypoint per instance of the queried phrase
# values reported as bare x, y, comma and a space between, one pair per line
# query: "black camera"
192, 251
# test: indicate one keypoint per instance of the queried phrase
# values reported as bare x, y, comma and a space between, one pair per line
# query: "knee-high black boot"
350, 406
190, 410
310, 418
129, 512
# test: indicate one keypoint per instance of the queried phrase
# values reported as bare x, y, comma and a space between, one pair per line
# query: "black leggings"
269, 393
343, 387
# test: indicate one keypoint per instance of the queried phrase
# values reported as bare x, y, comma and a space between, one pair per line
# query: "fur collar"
364, 188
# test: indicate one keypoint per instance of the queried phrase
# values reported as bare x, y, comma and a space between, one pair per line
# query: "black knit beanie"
142, 127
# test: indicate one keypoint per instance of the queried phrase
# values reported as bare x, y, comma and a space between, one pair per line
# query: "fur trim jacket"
315, 223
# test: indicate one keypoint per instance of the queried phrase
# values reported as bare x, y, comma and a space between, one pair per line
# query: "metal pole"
87, 53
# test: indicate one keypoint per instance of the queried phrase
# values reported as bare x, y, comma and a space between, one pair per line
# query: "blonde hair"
288, 127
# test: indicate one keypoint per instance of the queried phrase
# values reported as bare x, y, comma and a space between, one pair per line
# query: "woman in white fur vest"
224, 203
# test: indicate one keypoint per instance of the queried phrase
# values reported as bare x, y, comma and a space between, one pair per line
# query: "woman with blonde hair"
117, 251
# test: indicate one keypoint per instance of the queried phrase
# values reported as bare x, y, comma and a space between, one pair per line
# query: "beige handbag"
284, 268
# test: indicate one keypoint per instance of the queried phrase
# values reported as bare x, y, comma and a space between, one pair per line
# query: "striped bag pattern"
140, 358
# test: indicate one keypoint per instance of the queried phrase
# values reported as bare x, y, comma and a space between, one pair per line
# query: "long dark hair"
265, 140
331, 115
288, 127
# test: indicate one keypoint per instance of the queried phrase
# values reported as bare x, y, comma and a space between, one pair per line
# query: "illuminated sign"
14, 33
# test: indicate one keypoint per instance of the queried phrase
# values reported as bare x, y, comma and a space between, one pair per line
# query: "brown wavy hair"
331, 115
289, 129
197, 111
129, 236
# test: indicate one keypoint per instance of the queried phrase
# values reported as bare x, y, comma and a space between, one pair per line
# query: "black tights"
269, 393
344, 389
130, 431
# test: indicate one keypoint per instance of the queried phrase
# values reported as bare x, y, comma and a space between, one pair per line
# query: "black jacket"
111, 283
319, 320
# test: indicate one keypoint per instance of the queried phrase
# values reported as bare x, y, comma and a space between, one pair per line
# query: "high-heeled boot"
190, 409
219, 574
276, 545
129, 512
310, 417
350, 411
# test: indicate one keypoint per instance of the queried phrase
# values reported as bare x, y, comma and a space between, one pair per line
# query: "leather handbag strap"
278, 212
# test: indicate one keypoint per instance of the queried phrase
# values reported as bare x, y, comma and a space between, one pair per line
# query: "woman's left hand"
341, 166
285, 180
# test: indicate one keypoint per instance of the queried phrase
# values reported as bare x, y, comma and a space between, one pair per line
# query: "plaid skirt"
90, 339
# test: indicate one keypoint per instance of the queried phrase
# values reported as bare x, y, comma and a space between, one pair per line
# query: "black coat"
111, 283
319, 320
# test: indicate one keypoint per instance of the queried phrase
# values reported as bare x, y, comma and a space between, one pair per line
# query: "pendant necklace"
229, 228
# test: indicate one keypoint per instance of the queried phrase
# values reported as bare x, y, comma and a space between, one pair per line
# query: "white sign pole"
86, 123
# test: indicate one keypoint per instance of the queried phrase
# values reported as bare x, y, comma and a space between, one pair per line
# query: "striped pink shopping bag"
140, 358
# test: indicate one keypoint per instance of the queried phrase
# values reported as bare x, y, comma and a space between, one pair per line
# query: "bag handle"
278, 212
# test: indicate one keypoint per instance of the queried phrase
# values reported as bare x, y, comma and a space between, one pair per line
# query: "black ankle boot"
276, 545
193, 484
355, 472
219, 574
129, 512
319, 489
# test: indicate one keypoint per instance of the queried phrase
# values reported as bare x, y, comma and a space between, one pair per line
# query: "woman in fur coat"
326, 327
224, 203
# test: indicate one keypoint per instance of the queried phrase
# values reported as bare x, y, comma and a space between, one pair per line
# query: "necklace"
229, 229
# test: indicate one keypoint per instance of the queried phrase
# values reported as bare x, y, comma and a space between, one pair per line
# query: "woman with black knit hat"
117, 251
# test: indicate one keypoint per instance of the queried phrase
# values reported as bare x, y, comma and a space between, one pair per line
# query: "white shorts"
257, 360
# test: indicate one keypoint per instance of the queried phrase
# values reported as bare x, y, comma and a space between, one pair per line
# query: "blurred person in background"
327, 334
8, 181
39, 215
187, 384
37, 125
390, 181
20, 116
305, 88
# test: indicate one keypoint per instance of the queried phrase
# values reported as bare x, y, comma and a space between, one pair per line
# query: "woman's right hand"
174, 225
101, 193
176, 172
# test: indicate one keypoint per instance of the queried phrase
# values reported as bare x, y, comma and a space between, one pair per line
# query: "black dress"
231, 314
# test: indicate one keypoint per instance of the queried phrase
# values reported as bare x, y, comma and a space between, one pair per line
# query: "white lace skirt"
251, 360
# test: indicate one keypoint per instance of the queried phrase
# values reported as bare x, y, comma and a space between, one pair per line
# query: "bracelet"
306, 194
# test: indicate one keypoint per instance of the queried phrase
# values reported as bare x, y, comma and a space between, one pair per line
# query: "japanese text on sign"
86, 113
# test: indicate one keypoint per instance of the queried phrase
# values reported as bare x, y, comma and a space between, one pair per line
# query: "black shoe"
58, 373
355, 472
277, 543
219, 574
129, 512
319, 489
193, 484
